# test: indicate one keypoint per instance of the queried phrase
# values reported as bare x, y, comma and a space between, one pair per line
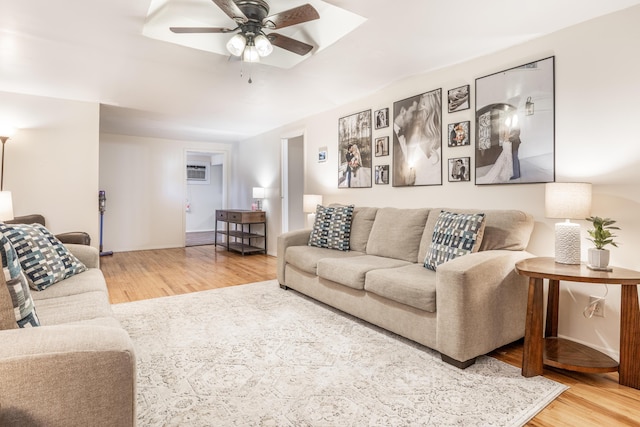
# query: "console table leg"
629, 368
532, 358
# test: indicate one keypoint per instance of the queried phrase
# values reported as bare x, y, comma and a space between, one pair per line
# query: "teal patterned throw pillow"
332, 227
23, 308
454, 235
44, 259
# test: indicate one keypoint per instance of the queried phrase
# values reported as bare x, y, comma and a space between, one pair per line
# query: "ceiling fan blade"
232, 10
294, 16
200, 30
289, 44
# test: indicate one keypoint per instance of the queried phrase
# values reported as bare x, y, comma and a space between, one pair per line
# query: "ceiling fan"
251, 17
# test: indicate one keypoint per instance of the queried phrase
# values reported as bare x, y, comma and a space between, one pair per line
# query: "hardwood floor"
592, 399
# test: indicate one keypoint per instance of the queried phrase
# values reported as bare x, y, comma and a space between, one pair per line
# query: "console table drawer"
245, 217
221, 215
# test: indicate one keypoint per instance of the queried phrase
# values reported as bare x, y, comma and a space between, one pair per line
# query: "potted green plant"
601, 236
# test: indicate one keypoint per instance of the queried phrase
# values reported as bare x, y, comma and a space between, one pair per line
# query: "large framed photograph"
458, 98
515, 125
382, 118
417, 140
459, 169
459, 134
354, 150
382, 146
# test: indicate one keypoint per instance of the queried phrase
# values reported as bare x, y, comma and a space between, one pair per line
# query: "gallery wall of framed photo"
503, 119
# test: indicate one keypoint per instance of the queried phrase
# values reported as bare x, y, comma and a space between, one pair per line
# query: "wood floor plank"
593, 400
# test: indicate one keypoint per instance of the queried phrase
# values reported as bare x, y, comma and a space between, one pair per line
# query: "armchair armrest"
291, 238
481, 303
75, 237
67, 375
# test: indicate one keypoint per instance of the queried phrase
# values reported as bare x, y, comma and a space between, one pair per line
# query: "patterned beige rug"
256, 355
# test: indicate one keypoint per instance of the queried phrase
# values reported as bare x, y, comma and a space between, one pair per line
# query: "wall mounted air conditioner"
197, 173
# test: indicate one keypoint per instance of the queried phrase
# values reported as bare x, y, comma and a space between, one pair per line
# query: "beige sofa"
78, 367
470, 306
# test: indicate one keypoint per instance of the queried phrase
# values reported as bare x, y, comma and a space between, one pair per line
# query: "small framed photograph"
382, 174
322, 154
382, 146
459, 134
459, 169
459, 99
382, 118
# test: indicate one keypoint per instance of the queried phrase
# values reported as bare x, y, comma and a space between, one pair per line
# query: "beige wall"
597, 92
145, 184
52, 161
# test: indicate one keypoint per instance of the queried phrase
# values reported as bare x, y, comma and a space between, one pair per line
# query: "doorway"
292, 183
205, 192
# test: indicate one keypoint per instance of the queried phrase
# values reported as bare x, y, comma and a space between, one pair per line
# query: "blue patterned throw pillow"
18, 286
332, 227
44, 259
454, 235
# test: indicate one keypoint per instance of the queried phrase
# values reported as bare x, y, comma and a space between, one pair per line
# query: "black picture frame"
417, 140
515, 125
458, 134
382, 175
354, 150
458, 99
459, 169
381, 146
381, 118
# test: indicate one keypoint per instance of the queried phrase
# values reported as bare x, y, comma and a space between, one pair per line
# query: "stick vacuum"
102, 206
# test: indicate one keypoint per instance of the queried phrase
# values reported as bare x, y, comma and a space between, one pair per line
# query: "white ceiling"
94, 50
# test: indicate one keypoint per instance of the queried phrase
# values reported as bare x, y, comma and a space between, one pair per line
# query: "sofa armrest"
67, 375
88, 255
291, 238
481, 303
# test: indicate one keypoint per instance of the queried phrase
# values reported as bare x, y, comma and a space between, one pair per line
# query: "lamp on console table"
568, 200
309, 204
258, 195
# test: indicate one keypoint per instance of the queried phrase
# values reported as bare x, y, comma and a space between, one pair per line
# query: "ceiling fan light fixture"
250, 54
236, 44
263, 45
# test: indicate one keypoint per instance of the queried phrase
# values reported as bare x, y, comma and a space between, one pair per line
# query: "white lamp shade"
310, 202
236, 44
258, 193
263, 45
568, 200
6, 206
250, 54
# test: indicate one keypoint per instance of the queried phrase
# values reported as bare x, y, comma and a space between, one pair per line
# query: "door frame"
284, 172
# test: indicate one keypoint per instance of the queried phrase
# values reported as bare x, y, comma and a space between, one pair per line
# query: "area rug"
256, 355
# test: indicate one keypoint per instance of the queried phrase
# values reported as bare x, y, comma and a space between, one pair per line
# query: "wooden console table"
237, 231
567, 354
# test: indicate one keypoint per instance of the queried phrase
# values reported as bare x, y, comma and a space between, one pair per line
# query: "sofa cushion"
23, 309
74, 308
454, 235
7, 316
412, 285
44, 259
332, 227
504, 229
306, 258
361, 227
396, 233
351, 272
89, 281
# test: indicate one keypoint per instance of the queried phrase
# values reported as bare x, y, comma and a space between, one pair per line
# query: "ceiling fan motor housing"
254, 10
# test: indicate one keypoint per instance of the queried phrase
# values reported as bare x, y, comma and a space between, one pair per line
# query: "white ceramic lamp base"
567, 243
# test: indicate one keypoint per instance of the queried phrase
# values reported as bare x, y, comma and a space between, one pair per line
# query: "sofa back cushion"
504, 229
396, 233
361, 224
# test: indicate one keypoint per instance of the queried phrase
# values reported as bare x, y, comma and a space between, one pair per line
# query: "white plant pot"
598, 258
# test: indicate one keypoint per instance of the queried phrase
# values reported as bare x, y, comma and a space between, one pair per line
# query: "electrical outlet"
598, 310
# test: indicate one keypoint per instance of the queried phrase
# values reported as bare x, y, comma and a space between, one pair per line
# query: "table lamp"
309, 204
258, 194
568, 200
